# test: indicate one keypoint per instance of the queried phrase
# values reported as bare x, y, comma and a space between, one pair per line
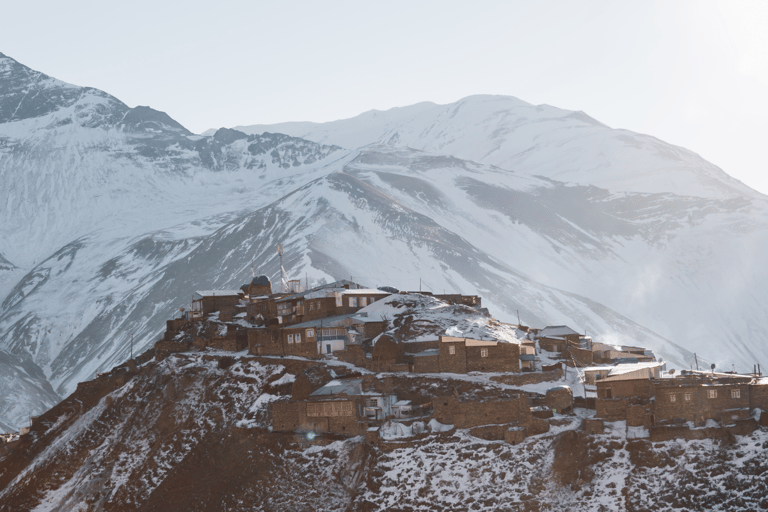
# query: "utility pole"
518, 318
697, 361
131, 347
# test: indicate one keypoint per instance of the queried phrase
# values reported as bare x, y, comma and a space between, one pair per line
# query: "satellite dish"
661, 360
713, 366
672, 371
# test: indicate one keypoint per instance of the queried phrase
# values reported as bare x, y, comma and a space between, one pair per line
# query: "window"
339, 300
290, 338
451, 349
310, 333
353, 302
735, 393
311, 306
297, 338
712, 393
687, 397
263, 307
673, 398
608, 393
363, 302
483, 352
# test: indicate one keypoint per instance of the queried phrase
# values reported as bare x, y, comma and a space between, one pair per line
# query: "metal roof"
557, 330
218, 293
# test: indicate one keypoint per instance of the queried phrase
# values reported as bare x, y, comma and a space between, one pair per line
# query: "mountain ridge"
111, 227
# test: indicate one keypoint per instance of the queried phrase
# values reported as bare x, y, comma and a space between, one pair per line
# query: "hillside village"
358, 398
371, 338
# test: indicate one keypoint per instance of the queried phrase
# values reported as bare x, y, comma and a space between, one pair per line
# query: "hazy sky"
693, 73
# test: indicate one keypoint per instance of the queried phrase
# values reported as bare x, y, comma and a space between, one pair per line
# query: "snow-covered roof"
339, 386
470, 342
556, 330
365, 291
621, 369
218, 293
329, 321
428, 352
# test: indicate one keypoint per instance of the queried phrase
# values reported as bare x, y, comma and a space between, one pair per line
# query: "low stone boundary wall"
522, 379
667, 433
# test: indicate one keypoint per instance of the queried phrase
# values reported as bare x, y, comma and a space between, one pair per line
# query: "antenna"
518, 317
283, 275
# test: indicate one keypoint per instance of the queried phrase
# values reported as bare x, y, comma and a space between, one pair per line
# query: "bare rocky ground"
191, 433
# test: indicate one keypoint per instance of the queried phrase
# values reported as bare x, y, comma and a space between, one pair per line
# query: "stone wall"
264, 342
307, 347
220, 303
292, 417
560, 399
448, 410
758, 397
503, 357
594, 426
582, 357
456, 362
668, 433
552, 345
352, 354
692, 401
165, 348
612, 409
638, 416
426, 364
530, 378
414, 347
635, 388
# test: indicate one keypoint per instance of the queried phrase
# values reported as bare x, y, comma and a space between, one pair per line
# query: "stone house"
463, 355
623, 390
515, 410
619, 372
314, 338
607, 354
324, 302
340, 406
698, 397
210, 301
555, 338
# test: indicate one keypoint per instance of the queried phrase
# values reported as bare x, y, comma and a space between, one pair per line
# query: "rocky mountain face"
113, 216
191, 433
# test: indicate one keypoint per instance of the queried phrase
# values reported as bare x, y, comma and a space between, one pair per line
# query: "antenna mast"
283, 275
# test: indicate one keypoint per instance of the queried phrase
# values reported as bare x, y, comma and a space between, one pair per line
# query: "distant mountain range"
113, 216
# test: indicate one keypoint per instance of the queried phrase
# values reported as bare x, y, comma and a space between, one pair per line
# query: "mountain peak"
147, 119
29, 94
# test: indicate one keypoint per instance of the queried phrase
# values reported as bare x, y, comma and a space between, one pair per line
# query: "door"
328, 348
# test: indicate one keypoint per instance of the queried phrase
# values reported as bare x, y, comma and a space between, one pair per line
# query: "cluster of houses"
627, 383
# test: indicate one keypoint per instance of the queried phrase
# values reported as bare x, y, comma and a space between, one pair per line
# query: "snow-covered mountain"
541, 140
113, 216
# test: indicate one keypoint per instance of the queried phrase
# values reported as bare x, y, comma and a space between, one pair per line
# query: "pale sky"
693, 73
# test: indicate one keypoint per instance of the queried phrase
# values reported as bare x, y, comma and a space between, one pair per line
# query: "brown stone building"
697, 397
472, 413
339, 407
463, 355
210, 301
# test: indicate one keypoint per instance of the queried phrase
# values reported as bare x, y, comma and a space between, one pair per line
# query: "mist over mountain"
113, 216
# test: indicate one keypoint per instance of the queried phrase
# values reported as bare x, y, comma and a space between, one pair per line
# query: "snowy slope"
117, 215
540, 140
